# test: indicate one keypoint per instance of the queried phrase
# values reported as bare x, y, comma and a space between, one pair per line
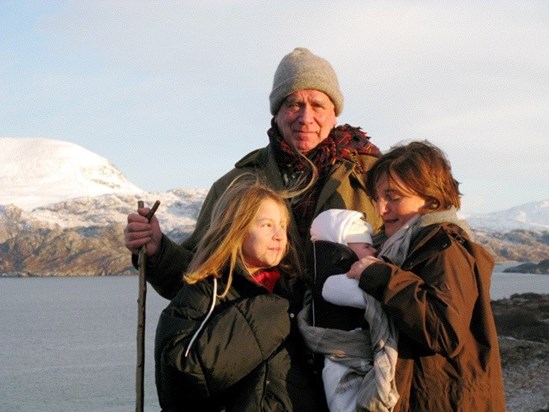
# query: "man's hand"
139, 232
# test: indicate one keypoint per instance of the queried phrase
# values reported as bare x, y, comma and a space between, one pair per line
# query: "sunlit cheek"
288, 117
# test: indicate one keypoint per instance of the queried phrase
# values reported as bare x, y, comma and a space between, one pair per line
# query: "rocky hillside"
32, 247
516, 245
63, 210
84, 236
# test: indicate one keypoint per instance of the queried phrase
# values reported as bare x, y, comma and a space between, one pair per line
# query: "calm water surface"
69, 344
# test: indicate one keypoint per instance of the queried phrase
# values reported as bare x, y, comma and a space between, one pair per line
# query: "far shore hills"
541, 268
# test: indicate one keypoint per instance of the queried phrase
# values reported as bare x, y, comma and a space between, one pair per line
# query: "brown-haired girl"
435, 288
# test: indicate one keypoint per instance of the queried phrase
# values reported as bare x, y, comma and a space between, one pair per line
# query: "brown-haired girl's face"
396, 203
265, 243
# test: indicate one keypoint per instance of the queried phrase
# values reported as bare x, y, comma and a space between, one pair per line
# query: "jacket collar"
433, 239
338, 174
264, 159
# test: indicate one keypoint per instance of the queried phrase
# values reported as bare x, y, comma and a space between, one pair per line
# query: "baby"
345, 227
331, 231
341, 237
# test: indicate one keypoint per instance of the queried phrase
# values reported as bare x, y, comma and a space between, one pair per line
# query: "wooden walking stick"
141, 312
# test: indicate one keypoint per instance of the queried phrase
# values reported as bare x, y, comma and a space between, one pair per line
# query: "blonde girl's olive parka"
439, 300
343, 189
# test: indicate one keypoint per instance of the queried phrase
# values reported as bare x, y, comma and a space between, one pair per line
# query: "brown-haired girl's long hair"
425, 171
220, 248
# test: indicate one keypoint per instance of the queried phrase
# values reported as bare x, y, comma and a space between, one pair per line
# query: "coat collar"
264, 159
433, 239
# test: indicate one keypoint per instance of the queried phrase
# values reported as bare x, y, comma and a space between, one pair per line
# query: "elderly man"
307, 151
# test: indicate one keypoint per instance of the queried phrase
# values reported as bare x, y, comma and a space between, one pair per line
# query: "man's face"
306, 118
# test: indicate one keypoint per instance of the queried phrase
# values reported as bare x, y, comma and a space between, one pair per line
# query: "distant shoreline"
541, 268
504, 284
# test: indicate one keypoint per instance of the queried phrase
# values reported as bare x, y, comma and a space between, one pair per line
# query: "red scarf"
343, 143
267, 278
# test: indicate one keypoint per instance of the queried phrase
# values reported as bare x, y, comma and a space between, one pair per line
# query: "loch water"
69, 343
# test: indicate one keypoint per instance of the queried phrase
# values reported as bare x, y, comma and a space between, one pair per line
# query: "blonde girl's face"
265, 244
396, 203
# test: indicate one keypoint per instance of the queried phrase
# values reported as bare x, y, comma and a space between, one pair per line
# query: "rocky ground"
523, 328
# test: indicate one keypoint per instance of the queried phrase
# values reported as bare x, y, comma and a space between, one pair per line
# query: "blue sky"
173, 93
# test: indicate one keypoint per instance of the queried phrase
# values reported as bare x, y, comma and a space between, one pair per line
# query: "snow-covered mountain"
529, 216
63, 183
63, 210
35, 172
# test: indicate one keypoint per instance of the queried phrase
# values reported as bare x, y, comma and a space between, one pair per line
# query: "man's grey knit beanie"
302, 70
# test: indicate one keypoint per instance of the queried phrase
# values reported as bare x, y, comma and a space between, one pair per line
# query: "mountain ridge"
78, 228
528, 216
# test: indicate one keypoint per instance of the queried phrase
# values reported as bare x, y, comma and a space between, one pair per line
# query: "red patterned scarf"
343, 143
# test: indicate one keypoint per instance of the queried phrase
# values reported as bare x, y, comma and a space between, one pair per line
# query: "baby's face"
362, 249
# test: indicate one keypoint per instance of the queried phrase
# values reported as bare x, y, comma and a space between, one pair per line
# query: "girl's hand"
358, 267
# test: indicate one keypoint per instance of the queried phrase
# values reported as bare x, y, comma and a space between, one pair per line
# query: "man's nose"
306, 114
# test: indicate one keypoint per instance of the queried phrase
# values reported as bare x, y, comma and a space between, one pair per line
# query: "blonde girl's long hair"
220, 248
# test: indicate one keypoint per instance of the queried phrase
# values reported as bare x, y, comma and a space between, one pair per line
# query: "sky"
173, 93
